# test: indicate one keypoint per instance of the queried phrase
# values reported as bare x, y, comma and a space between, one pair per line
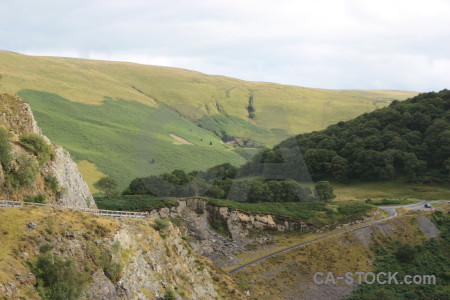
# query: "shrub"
405, 252
25, 174
39, 198
36, 145
5, 149
160, 224
52, 183
45, 247
57, 278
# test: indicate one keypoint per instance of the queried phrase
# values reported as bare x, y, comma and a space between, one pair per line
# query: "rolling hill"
132, 120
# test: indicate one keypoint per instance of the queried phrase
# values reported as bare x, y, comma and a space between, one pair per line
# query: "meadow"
127, 139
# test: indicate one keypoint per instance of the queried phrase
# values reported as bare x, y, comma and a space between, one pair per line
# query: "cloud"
323, 43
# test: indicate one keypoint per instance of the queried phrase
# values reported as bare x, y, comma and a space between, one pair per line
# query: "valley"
144, 104
231, 204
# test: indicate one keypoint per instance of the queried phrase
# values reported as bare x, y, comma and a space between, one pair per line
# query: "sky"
335, 44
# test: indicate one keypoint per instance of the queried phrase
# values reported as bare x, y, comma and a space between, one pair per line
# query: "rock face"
16, 117
75, 190
220, 231
121, 258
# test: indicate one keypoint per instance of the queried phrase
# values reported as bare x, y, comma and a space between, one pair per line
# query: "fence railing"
100, 212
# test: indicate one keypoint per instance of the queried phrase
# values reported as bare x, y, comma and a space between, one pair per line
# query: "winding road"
392, 210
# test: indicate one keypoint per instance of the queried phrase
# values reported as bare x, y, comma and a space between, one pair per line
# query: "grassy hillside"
180, 97
127, 139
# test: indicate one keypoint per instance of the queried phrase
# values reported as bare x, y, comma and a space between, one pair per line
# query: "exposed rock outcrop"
75, 190
218, 232
17, 118
122, 259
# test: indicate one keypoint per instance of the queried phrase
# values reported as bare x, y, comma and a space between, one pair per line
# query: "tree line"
406, 138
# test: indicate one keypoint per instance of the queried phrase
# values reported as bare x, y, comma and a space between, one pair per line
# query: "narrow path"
392, 210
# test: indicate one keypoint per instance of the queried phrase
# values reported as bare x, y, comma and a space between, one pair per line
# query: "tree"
107, 185
325, 191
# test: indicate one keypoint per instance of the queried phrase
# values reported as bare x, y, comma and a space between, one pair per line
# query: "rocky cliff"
217, 232
118, 259
25, 177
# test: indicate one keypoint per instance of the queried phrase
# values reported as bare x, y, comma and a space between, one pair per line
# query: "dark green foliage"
325, 191
133, 202
36, 145
407, 138
219, 182
5, 149
107, 184
430, 258
251, 108
406, 252
57, 278
39, 198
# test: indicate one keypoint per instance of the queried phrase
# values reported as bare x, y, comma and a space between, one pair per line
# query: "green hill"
119, 116
405, 139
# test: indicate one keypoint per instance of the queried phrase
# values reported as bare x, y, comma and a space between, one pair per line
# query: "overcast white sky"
376, 44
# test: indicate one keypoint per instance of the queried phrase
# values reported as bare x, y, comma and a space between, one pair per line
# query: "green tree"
259, 192
325, 191
107, 184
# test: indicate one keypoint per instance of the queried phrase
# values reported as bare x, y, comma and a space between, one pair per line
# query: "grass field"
394, 189
292, 109
163, 100
127, 139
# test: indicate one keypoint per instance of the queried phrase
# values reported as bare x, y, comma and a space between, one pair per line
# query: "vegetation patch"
354, 208
431, 257
133, 202
98, 133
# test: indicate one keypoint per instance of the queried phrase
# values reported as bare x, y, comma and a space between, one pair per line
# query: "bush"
36, 145
5, 149
57, 278
52, 183
160, 224
39, 198
25, 174
405, 252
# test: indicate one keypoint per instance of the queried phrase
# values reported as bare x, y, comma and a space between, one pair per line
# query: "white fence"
100, 212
